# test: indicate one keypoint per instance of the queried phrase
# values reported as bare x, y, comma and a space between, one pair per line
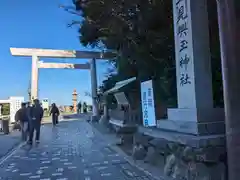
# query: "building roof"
120, 85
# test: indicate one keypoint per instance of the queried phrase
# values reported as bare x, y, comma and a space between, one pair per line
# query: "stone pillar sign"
193, 66
192, 54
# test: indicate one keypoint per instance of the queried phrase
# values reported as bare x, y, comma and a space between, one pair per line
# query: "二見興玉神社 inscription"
184, 59
192, 53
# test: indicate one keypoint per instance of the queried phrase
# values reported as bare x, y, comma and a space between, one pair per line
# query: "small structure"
45, 104
124, 118
67, 108
15, 104
74, 100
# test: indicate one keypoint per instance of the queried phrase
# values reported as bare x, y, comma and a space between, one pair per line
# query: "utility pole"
229, 27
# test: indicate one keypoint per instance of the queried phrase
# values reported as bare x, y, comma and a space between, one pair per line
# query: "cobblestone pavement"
8, 142
72, 150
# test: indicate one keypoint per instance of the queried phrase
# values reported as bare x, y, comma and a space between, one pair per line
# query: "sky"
41, 24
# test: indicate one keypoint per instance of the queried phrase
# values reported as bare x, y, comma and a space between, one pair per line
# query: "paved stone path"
8, 142
72, 150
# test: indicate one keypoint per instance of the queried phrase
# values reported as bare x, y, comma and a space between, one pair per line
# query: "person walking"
36, 115
29, 117
79, 107
55, 113
22, 117
84, 107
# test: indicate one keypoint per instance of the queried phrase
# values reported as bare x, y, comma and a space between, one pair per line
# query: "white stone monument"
193, 70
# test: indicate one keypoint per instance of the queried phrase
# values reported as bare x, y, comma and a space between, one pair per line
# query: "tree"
142, 33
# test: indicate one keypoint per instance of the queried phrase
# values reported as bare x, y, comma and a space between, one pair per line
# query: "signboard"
148, 109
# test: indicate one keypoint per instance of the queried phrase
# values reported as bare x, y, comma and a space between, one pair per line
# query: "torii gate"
36, 54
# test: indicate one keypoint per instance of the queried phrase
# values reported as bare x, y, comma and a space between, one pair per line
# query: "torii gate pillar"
93, 70
34, 78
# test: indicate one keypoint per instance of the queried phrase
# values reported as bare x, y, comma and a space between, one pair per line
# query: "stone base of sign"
182, 156
182, 138
195, 121
196, 115
194, 128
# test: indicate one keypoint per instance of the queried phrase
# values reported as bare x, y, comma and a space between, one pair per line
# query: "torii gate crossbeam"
50, 53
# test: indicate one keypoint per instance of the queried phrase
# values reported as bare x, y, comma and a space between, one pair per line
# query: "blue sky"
41, 24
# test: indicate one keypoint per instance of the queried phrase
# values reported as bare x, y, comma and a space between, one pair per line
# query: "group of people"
30, 119
80, 107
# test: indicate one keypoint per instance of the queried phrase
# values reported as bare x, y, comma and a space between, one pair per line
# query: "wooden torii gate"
36, 54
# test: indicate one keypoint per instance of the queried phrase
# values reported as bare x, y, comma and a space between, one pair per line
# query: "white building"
15, 104
45, 104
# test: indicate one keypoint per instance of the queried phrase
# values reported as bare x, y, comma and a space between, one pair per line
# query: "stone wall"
179, 161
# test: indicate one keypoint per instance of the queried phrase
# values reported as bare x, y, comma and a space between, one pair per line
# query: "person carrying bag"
55, 113
22, 117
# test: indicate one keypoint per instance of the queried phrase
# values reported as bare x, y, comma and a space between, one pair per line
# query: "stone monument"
193, 136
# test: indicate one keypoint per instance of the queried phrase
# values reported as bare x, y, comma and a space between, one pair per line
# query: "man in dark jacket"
79, 107
22, 117
36, 115
55, 113
84, 107
29, 115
